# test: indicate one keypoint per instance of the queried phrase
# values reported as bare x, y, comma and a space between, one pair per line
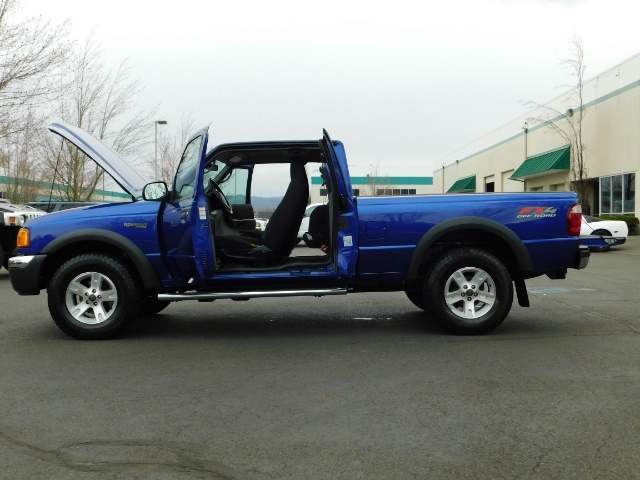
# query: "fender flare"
140, 261
465, 223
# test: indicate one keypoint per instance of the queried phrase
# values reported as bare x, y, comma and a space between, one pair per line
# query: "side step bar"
177, 297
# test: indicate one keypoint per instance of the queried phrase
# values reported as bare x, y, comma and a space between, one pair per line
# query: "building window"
618, 194
395, 191
629, 186
356, 192
323, 192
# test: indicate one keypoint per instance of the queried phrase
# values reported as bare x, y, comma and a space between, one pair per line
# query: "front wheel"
469, 291
93, 296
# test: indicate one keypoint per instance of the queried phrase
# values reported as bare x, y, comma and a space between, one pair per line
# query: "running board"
177, 297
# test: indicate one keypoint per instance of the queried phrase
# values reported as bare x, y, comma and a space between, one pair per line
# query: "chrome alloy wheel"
91, 298
470, 293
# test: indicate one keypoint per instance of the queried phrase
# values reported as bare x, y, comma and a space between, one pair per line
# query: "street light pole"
155, 162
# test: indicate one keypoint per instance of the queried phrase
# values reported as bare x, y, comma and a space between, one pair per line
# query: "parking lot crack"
125, 456
631, 327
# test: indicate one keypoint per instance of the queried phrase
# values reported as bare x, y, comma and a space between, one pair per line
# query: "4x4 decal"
537, 212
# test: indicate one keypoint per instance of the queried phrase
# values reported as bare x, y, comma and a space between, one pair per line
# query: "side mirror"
155, 191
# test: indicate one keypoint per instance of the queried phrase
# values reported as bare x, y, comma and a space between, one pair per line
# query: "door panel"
344, 207
188, 244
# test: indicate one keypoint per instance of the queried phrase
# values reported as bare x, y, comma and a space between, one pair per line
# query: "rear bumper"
582, 259
25, 271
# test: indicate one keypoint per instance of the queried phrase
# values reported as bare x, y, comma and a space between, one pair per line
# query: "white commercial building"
528, 154
371, 181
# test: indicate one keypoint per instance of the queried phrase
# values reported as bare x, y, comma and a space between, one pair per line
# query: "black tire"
152, 306
3, 260
79, 284
601, 232
478, 275
416, 295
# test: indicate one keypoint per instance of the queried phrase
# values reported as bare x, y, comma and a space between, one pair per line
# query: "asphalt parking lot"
361, 387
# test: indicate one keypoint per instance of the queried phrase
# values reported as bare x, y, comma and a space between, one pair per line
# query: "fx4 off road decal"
537, 212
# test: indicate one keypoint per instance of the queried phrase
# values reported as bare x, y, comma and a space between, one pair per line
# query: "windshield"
212, 170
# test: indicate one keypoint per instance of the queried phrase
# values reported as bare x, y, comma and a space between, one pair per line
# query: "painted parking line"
552, 290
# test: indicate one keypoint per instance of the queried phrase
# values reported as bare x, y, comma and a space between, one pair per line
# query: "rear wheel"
469, 291
93, 296
602, 232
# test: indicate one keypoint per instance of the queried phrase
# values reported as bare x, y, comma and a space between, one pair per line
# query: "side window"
235, 185
185, 182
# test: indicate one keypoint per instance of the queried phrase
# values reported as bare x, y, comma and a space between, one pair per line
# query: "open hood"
125, 175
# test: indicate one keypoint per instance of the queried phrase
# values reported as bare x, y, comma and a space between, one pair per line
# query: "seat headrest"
297, 171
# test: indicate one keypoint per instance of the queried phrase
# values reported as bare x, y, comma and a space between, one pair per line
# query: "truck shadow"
405, 323
181, 326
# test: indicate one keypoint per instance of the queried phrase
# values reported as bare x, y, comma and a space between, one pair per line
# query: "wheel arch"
96, 240
472, 231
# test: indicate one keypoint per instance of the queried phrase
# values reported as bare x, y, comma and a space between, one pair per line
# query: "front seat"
281, 232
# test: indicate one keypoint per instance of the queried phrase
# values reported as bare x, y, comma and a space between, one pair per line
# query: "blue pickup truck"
458, 257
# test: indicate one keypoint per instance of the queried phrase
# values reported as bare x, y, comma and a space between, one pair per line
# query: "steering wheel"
217, 193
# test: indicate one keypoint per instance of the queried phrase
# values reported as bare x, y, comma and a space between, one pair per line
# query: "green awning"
543, 164
463, 185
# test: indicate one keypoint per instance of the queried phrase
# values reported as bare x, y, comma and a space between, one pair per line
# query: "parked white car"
304, 225
603, 227
261, 223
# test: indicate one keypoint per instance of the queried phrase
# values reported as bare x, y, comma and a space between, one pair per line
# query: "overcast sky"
401, 83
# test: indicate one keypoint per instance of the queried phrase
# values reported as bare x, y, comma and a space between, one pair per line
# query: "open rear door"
345, 212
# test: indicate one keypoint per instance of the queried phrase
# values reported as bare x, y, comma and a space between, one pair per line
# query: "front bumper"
25, 272
582, 259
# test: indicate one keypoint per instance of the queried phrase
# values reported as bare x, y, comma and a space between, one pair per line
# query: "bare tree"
376, 185
99, 101
30, 51
171, 147
568, 124
17, 153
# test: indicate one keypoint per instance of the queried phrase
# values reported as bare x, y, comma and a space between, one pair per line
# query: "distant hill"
265, 204
262, 206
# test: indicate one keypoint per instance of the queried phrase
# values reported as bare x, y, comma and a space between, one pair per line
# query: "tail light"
574, 220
